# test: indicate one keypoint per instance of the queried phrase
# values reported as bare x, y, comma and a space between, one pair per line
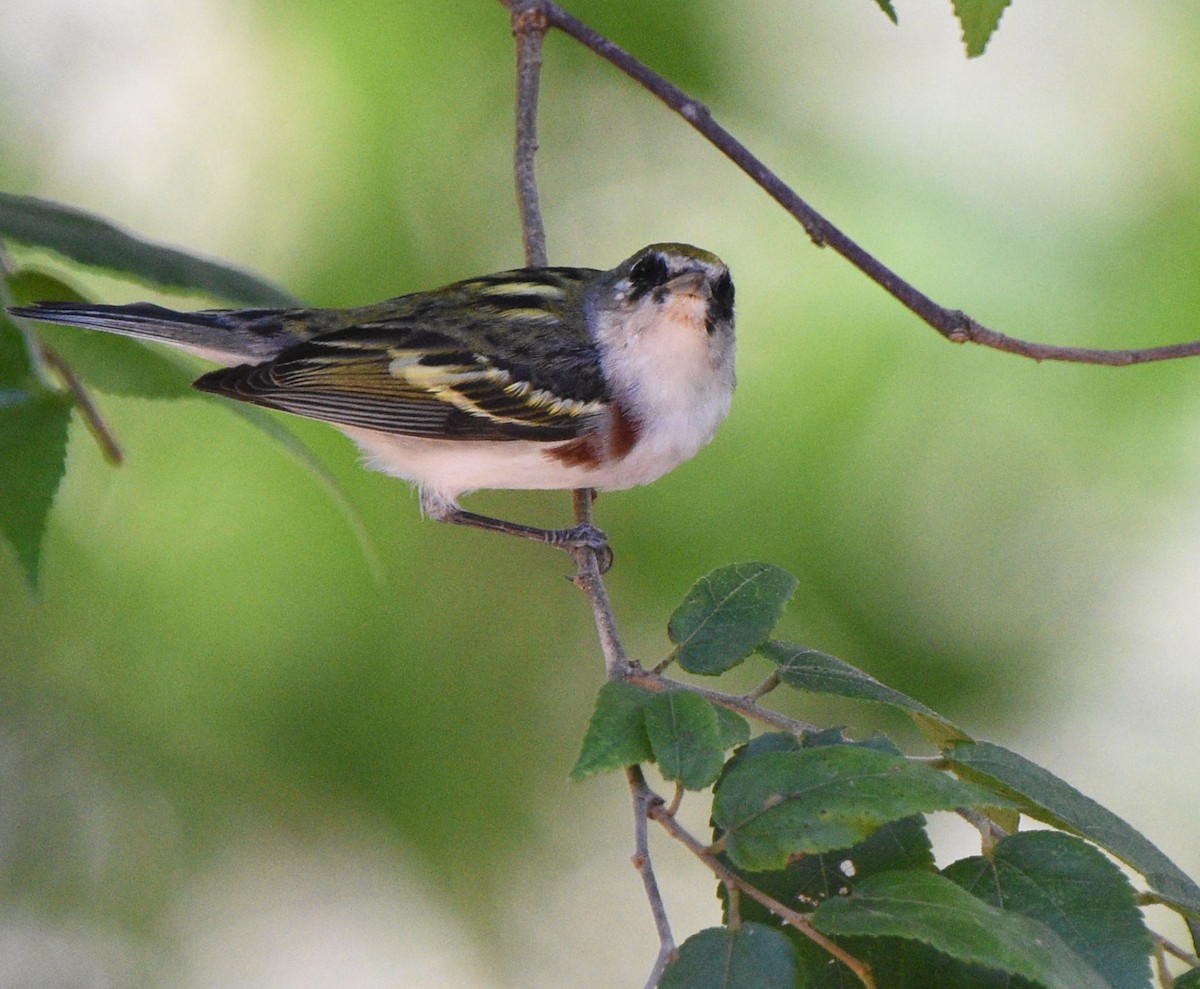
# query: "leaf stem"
734, 702
769, 684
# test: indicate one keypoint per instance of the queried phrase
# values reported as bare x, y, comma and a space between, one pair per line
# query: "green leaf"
113, 364
781, 804
1041, 794
93, 241
16, 369
929, 908
616, 735
772, 741
728, 614
820, 673
685, 736
1073, 889
752, 956
887, 8
979, 20
902, 844
735, 730
1189, 980
33, 454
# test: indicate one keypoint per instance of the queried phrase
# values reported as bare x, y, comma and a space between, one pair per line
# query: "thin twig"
88, 410
43, 356
1171, 948
643, 797
954, 324
657, 811
1165, 978
734, 702
529, 29
617, 665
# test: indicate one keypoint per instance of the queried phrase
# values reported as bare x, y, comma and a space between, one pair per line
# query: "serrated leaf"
109, 363
979, 20
820, 673
1074, 890
781, 804
887, 8
752, 956
33, 454
685, 737
616, 734
1042, 795
929, 908
93, 241
727, 614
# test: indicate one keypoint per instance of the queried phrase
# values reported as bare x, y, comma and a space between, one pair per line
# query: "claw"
589, 537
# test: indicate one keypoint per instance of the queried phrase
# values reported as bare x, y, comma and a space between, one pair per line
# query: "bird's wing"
404, 377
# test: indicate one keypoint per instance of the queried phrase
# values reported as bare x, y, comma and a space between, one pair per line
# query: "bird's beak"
691, 283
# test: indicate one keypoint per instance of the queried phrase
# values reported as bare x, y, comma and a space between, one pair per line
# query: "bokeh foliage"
208, 649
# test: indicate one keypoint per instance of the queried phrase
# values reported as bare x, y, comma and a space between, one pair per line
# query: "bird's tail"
228, 336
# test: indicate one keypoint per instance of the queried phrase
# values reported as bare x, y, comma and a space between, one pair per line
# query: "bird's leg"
575, 537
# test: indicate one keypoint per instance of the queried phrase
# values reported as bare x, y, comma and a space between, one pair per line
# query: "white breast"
680, 386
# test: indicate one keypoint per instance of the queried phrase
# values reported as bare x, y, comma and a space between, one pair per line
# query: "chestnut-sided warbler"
531, 378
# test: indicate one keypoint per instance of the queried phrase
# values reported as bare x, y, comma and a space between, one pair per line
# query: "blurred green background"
230, 757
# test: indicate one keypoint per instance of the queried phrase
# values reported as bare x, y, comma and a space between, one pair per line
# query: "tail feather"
228, 336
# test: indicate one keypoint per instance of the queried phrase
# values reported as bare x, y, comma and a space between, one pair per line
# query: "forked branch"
658, 811
954, 324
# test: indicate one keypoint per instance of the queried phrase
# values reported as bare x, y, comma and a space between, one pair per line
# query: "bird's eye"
649, 273
722, 297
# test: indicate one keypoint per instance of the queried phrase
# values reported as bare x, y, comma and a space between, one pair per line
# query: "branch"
642, 798
617, 664
1173, 949
88, 410
658, 811
529, 30
953, 324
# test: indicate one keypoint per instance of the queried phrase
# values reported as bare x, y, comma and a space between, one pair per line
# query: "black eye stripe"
721, 306
649, 273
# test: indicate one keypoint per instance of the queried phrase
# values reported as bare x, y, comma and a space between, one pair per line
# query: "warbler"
547, 378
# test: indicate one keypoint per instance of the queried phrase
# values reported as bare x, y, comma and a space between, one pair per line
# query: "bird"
531, 378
